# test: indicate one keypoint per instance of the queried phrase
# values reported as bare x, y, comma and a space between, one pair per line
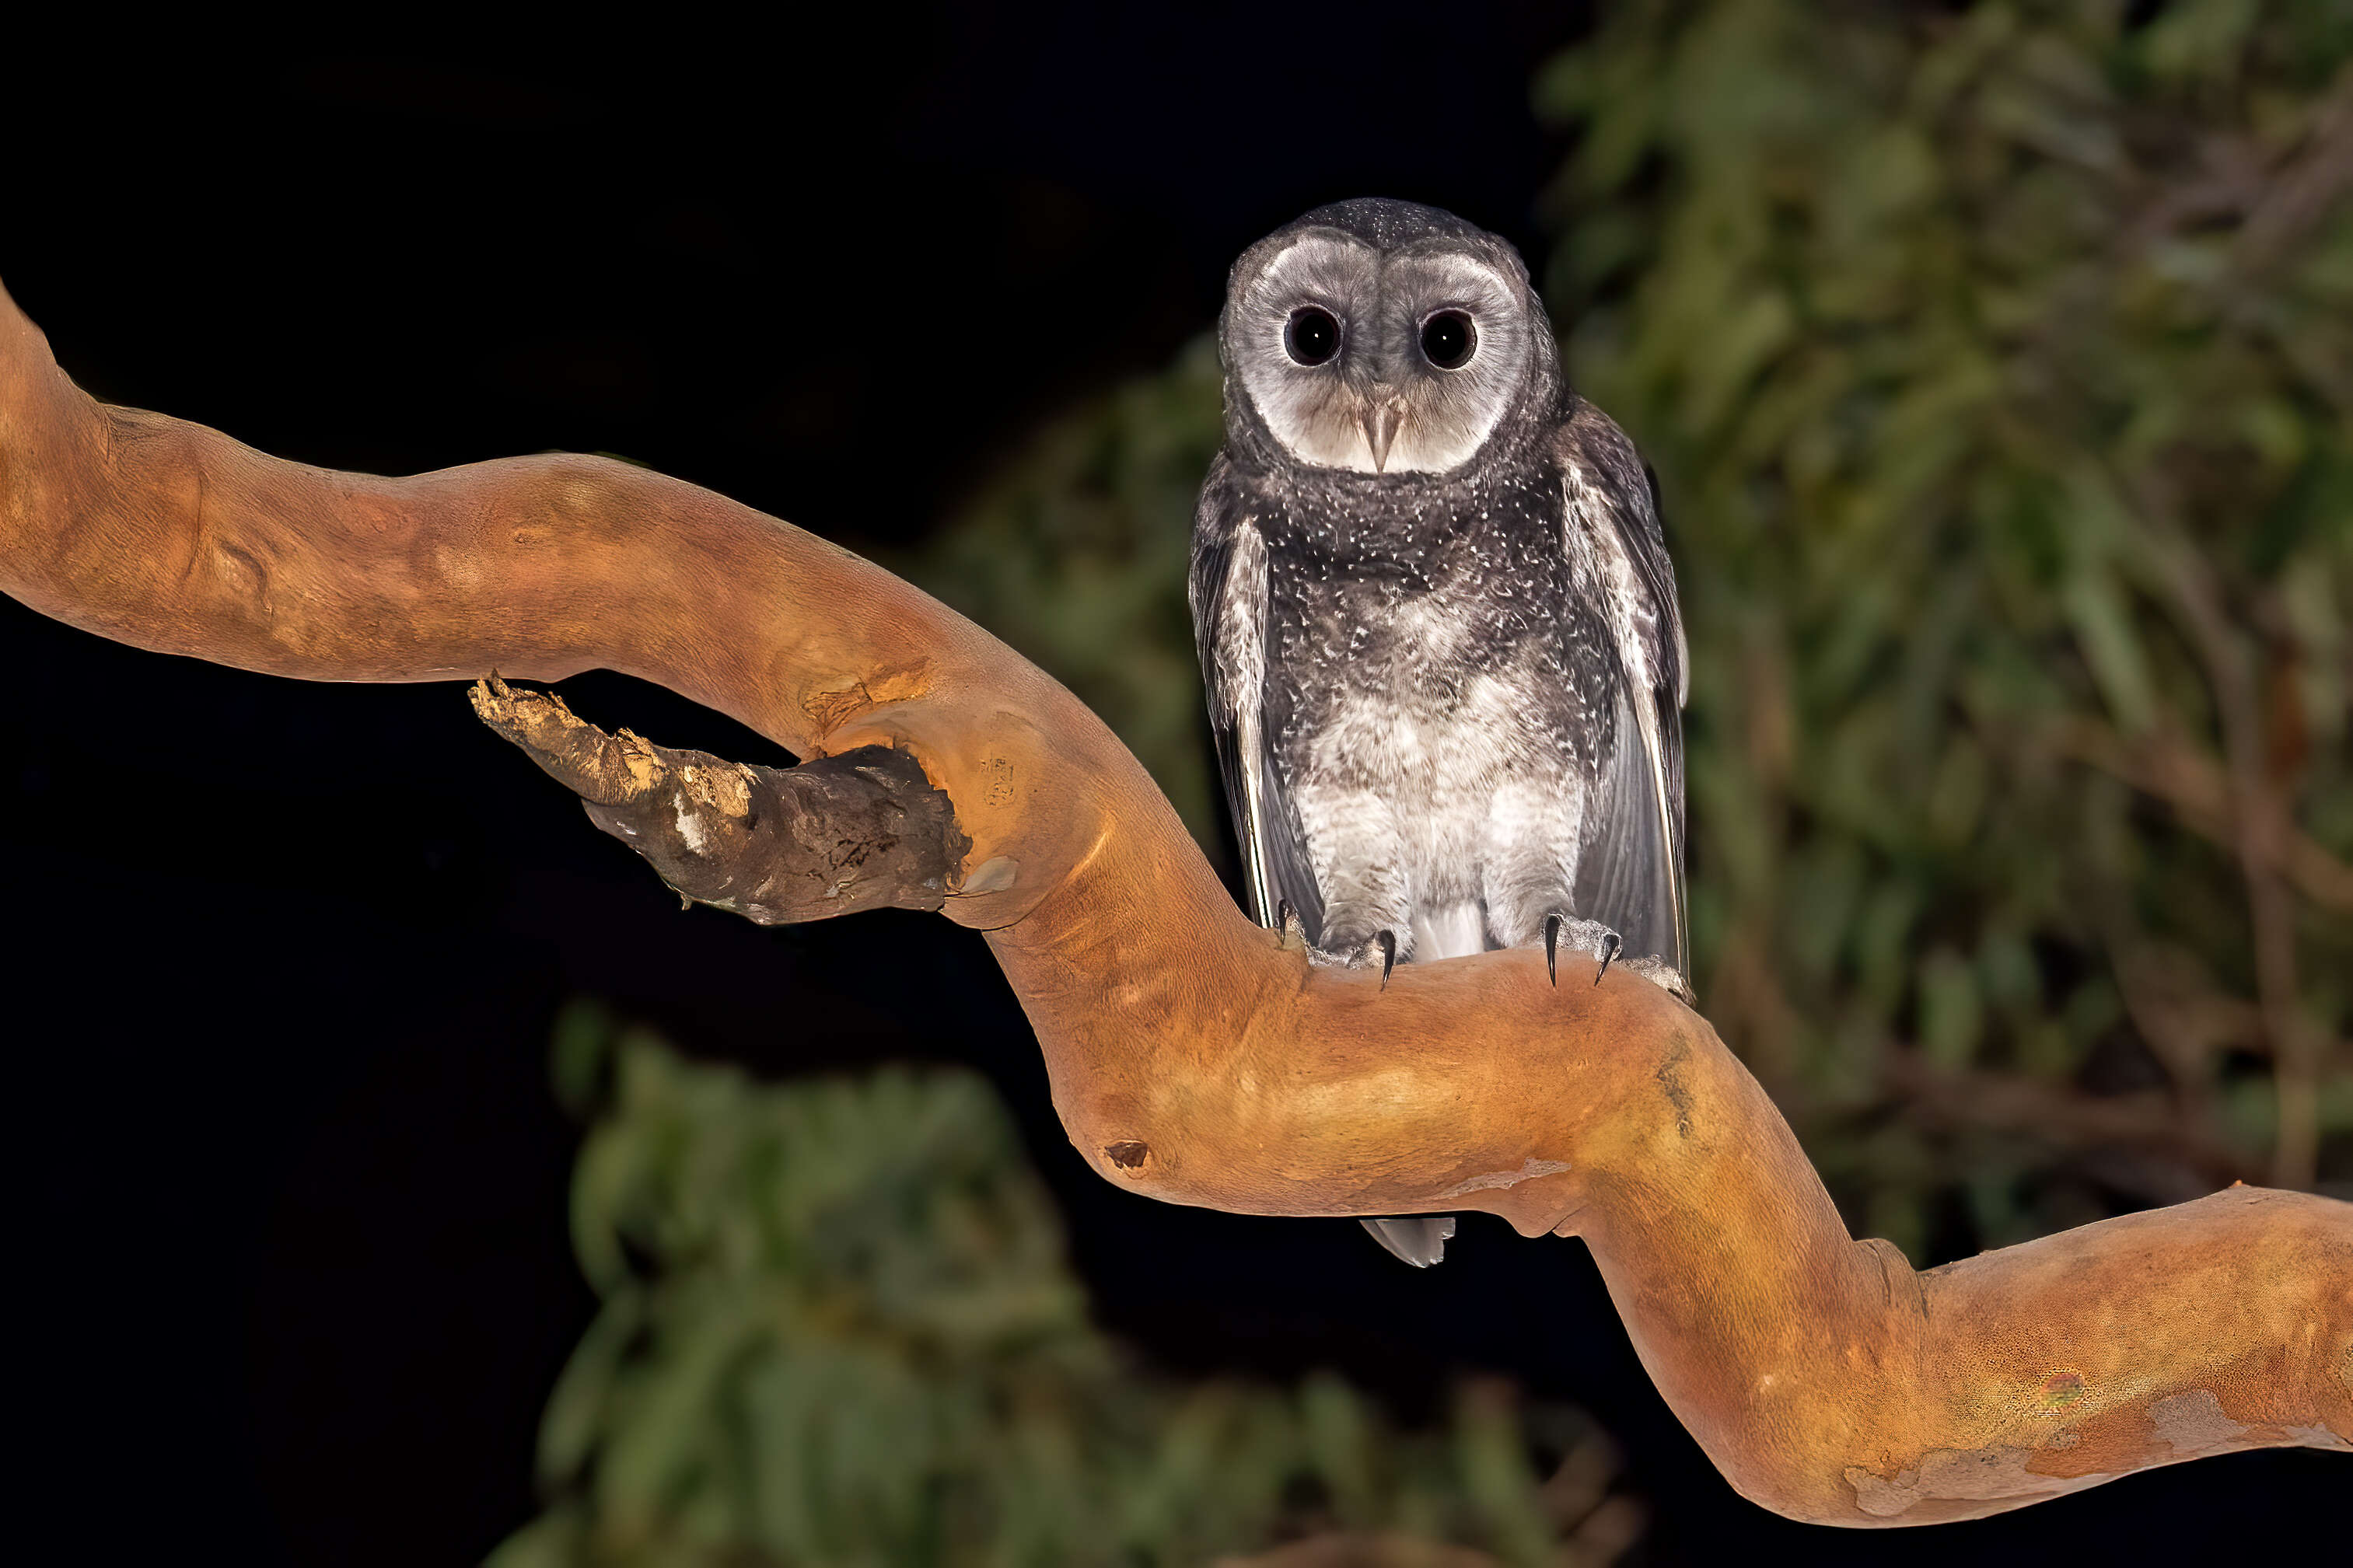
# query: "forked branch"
1193, 1057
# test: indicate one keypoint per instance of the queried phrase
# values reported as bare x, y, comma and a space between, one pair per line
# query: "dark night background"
291, 1271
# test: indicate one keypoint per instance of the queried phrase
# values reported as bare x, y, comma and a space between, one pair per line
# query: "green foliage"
838, 1330
1998, 367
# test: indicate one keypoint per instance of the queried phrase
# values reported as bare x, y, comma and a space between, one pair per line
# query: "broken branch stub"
863, 830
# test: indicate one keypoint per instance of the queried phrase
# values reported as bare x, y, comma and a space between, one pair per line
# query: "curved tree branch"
1193, 1057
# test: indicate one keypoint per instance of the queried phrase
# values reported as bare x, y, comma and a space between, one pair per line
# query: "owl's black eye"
1311, 335
1449, 339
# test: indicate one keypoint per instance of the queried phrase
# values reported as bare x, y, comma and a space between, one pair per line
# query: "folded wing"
1631, 875
1227, 588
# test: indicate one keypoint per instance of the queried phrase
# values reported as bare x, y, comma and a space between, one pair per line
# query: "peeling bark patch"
828, 710
2059, 1391
1527, 1171
1669, 1077
2317, 1437
1949, 1475
2193, 1423
992, 876
244, 574
1127, 1156
997, 790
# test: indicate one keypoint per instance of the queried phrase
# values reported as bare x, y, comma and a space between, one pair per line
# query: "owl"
1437, 622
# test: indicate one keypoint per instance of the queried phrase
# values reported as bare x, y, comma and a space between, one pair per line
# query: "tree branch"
1194, 1057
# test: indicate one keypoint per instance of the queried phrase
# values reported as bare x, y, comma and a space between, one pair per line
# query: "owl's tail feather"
1452, 931
1419, 1239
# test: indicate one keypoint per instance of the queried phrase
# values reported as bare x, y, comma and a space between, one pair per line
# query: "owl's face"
1381, 361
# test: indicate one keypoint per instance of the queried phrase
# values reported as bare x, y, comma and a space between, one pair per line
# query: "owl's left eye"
1449, 339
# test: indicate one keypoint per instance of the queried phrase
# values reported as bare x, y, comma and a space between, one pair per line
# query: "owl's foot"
1584, 936
1381, 948
1663, 976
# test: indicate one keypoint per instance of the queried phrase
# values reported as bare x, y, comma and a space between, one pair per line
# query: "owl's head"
1384, 337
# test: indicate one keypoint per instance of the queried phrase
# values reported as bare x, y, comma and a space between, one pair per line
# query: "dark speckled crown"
1386, 224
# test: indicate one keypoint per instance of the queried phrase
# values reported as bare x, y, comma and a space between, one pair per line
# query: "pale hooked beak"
1384, 411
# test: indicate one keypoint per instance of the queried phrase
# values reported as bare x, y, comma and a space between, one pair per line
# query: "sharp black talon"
1387, 941
1552, 948
1283, 913
1610, 947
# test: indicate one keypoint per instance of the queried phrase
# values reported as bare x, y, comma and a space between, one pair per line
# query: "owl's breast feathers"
1437, 634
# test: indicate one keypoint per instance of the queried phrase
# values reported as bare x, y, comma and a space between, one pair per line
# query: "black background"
291, 1271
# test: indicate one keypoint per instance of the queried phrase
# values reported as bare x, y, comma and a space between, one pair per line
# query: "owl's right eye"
1311, 335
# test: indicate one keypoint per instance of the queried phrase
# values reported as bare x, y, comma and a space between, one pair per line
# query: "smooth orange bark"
1192, 1056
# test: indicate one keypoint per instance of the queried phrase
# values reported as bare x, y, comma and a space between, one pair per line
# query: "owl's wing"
1227, 588
1630, 877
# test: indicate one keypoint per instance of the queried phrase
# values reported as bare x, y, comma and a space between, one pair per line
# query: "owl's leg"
1358, 854
1529, 868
